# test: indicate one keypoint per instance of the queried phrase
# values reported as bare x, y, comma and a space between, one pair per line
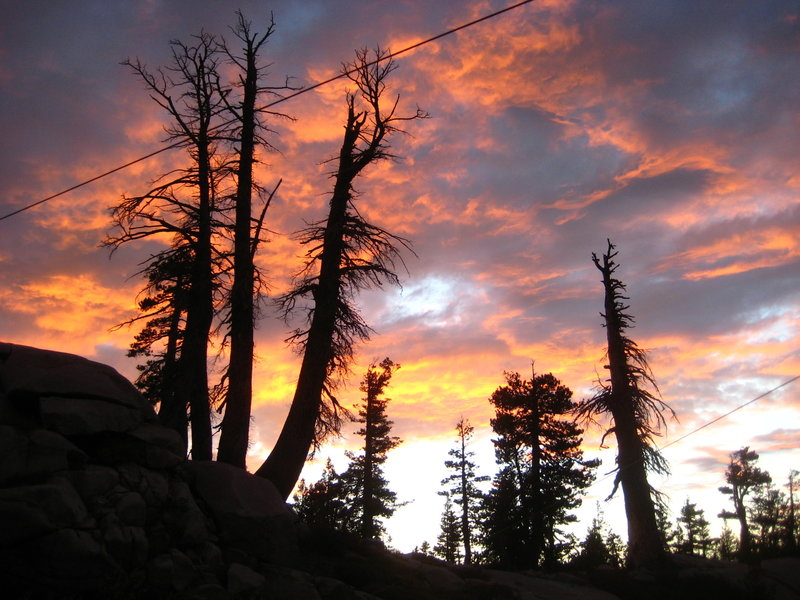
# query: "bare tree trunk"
171, 413
644, 539
466, 534
235, 428
352, 255
285, 462
192, 390
368, 486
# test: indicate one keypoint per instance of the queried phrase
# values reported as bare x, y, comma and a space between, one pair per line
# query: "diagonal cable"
305, 90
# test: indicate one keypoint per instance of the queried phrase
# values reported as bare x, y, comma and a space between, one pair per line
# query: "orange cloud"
738, 252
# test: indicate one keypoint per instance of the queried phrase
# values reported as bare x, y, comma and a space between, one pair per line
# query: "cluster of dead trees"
212, 212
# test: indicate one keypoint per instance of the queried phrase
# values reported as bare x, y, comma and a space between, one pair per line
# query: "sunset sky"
670, 127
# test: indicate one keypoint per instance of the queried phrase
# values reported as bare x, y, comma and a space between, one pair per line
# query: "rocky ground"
97, 501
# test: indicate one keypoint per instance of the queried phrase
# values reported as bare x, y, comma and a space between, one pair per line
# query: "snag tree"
345, 254
631, 398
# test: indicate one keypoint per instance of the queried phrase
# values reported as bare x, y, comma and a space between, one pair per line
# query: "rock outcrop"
98, 501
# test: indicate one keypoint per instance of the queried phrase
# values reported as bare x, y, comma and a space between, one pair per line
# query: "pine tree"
768, 513
424, 549
668, 532
448, 543
601, 546
366, 489
726, 547
462, 484
790, 522
695, 529
743, 477
501, 516
631, 397
542, 475
322, 504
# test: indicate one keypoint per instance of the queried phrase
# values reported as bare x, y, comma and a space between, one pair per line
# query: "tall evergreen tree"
322, 504
726, 547
163, 308
359, 498
542, 474
462, 484
373, 499
694, 529
448, 543
346, 254
630, 396
601, 546
743, 477
767, 514
790, 522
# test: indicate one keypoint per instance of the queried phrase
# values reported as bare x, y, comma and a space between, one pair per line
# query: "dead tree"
345, 254
247, 132
631, 397
183, 205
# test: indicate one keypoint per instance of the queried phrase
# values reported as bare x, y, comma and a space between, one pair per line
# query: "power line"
730, 412
275, 102
704, 425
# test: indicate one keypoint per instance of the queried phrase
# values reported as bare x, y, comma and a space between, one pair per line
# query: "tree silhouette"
742, 476
182, 205
462, 480
636, 414
790, 522
448, 543
542, 469
322, 504
694, 529
162, 307
768, 514
345, 254
246, 133
726, 546
601, 546
369, 497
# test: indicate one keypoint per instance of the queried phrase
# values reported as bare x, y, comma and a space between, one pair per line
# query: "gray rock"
242, 579
34, 510
171, 571
93, 481
526, 587
183, 517
81, 416
155, 435
14, 450
127, 545
183, 570
288, 583
31, 456
46, 372
251, 517
438, 578
152, 484
131, 509
46, 446
75, 560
